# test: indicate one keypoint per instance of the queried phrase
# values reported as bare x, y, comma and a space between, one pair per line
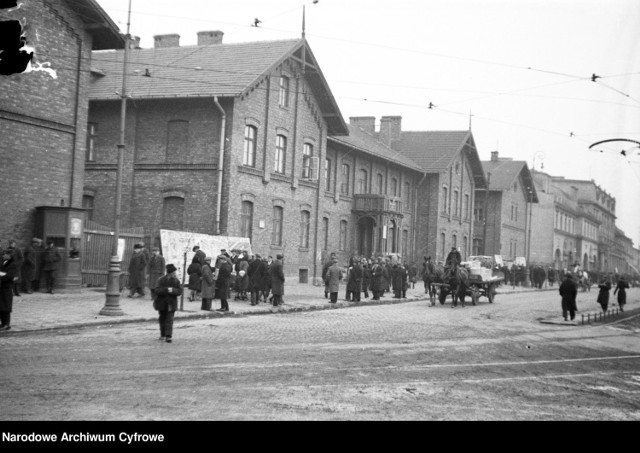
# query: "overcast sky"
520, 71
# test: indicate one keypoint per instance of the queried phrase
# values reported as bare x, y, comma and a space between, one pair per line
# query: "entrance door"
365, 236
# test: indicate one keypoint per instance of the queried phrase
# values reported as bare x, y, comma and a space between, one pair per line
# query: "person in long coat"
377, 279
8, 272
255, 272
603, 293
242, 278
166, 302
569, 291
223, 281
326, 266
332, 279
28, 271
366, 277
156, 268
208, 286
621, 289
50, 262
354, 282
399, 279
18, 257
195, 275
137, 266
277, 280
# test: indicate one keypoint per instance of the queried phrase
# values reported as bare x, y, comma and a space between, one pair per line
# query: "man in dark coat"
256, 271
453, 259
208, 286
603, 294
377, 279
199, 254
569, 291
223, 281
366, 277
39, 249
166, 302
621, 289
29, 266
137, 266
8, 273
18, 258
326, 266
399, 281
156, 270
50, 262
354, 282
277, 280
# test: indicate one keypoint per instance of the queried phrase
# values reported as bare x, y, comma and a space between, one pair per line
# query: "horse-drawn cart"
477, 287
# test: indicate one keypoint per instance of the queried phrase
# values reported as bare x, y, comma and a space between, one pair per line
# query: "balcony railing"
377, 203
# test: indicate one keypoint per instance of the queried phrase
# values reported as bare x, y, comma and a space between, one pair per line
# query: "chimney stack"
366, 123
208, 38
390, 129
162, 41
494, 156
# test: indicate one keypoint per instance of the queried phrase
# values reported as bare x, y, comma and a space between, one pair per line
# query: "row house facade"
43, 112
503, 210
247, 140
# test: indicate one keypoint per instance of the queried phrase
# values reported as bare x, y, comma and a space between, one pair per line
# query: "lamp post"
112, 299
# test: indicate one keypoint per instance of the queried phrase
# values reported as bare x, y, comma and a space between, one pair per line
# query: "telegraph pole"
112, 300
486, 206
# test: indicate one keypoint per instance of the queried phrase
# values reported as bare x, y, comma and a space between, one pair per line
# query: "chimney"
208, 38
494, 156
390, 129
366, 123
134, 43
161, 41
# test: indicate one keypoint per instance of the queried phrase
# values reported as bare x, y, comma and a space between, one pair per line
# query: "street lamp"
112, 299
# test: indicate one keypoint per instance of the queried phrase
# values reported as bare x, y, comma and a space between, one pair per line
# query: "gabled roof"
224, 70
366, 143
106, 34
435, 151
504, 172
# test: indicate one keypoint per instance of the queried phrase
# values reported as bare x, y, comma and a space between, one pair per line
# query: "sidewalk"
41, 311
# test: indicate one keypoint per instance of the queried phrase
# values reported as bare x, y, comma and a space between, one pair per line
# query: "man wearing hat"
137, 265
18, 257
277, 280
50, 262
156, 270
29, 266
208, 285
453, 259
200, 255
222, 282
8, 272
166, 302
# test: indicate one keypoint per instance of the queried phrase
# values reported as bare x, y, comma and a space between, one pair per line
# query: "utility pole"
486, 206
112, 300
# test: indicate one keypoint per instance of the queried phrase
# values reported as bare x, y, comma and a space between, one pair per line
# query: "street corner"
559, 322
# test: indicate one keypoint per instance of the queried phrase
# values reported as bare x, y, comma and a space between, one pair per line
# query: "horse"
432, 273
458, 279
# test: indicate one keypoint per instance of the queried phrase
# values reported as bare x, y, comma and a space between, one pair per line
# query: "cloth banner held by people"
176, 243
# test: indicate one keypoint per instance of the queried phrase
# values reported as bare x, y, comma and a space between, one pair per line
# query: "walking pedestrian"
208, 286
166, 302
223, 281
621, 289
277, 280
332, 279
29, 266
39, 249
137, 266
8, 272
257, 273
157, 268
242, 278
18, 258
603, 294
569, 291
50, 262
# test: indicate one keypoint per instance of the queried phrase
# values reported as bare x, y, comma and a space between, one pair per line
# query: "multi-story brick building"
43, 113
503, 210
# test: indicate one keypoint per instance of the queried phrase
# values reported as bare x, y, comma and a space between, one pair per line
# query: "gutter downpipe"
223, 126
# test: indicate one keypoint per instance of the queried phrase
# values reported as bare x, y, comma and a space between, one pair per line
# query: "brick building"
503, 209
43, 113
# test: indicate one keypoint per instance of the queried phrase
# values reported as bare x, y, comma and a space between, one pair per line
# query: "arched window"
173, 213
283, 99
325, 233
305, 224
445, 199
443, 238
456, 202
250, 137
246, 220
346, 173
92, 134
276, 232
307, 154
394, 187
177, 141
281, 152
362, 181
380, 182
87, 205
466, 207
343, 236
406, 195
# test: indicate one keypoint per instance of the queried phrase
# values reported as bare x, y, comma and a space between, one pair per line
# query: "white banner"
176, 243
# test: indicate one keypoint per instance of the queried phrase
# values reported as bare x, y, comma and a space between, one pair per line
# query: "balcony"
377, 204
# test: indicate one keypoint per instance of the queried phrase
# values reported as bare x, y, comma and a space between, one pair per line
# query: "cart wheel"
491, 293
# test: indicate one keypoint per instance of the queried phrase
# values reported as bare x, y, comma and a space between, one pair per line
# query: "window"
87, 204
92, 133
478, 214
456, 207
249, 155
246, 220
344, 187
276, 232
305, 222
325, 230
307, 154
455, 241
284, 92
281, 151
394, 187
343, 235
173, 213
445, 199
477, 247
177, 140
362, 181
380, 181
405, 243
327, 173
406, 195
466, 206
516, 219
443, 238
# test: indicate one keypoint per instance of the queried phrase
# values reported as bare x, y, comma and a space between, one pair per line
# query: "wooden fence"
98, 242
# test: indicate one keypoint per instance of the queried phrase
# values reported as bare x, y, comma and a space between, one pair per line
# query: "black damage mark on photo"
13, 57
5, 4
